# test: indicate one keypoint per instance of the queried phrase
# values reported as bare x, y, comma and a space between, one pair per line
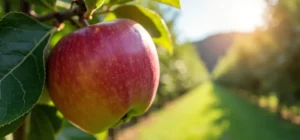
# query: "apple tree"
114, 67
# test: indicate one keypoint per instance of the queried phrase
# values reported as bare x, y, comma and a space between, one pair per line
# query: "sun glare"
200, 18
246, 15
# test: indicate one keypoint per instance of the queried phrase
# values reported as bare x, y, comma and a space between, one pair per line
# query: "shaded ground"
211, 112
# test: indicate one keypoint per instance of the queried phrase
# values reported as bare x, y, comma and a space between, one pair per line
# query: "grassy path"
211, 112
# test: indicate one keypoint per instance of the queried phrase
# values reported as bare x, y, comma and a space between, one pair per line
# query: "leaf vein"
26, 56
37, 66
24, 101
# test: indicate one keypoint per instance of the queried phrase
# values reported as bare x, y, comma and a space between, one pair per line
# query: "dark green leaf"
9, 128
40, 125
22, 72
150, 20
45, 3
174, 3
52, 113
69, 132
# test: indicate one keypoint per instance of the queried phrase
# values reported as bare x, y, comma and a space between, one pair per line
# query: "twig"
61, 15
81, 7
68, 14
58, 24
65, 14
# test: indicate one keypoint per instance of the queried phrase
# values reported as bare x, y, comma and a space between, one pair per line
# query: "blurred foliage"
268, 60
181, 71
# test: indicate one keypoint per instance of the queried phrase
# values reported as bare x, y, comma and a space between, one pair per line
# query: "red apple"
102, 75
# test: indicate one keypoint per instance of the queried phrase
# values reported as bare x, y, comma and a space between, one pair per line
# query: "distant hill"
212, 48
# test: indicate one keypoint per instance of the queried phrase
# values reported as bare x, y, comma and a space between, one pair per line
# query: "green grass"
211, 112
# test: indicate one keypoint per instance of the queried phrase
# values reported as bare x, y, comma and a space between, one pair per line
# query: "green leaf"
45, 3
150, 20
92, 6
174, 3
22, 72
9, 128
102, 136
69, 132
52, 113
119, 1
40, 125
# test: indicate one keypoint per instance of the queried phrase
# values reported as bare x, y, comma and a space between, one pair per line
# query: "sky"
201, 18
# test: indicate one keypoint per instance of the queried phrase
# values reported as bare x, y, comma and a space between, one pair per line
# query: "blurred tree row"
268, 60
181, 71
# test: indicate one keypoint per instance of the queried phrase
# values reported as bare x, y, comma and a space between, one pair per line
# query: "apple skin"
102, 75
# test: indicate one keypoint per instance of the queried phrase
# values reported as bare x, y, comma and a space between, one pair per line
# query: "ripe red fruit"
103, 74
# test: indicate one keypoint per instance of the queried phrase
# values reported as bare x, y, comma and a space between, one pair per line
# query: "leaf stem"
61, 15
68, 14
